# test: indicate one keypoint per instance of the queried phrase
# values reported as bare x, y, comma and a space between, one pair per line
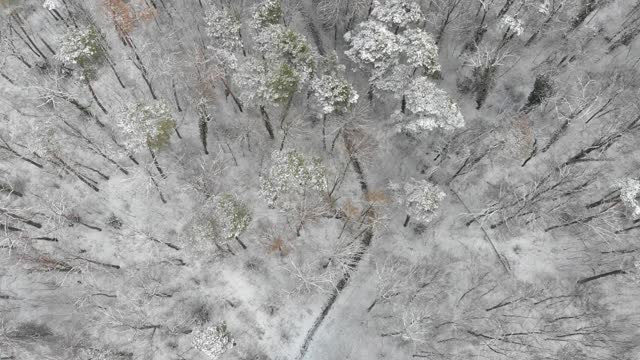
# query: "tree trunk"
605, 199
156, 164
204, 130
284, 138
627, 229
143, 71
155, 183
46, 45
324, 127
604, 143
533, 153
175, 95
233, 96
146, 80
235, 161
94, 147
93, 94
89, 226
241, 243
267, 122
285, 111
299, 228
15, 153
29, 42
595, 277
102, 175
53, 14
89, 182
114, 71
556, 135
22, 219
587, 9
505, 8
8, 188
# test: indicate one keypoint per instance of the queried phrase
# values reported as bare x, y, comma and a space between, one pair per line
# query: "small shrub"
8, 3
73, 218
520, 138
31, 329
200, 313
253, 353
419, 229
254, 264
214, 340
465, 85
114, 222
278, 245
483, 81
542, 89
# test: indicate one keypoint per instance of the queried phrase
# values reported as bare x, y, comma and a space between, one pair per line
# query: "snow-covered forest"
319, 179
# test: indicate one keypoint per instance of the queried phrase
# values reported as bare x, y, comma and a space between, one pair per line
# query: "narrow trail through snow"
367, 236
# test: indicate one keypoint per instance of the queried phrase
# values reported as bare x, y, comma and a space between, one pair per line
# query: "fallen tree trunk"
596, 277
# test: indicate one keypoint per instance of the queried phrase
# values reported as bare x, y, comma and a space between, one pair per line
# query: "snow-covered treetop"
374, 46
377, 48
431, 107
421, 51
510, 23
265, 37
205, 226
266, 82
235, 215
629, 193
268, 13
285, 64
295, 49
251, 78
330, 64
421, 198
397, 13
634, 271
281, 63
282, 84
81, 47
222, 217
213, 341
52, 4
227, 59
224, 27
292, 175
333, 94
394, 81
147, 125
543, 7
